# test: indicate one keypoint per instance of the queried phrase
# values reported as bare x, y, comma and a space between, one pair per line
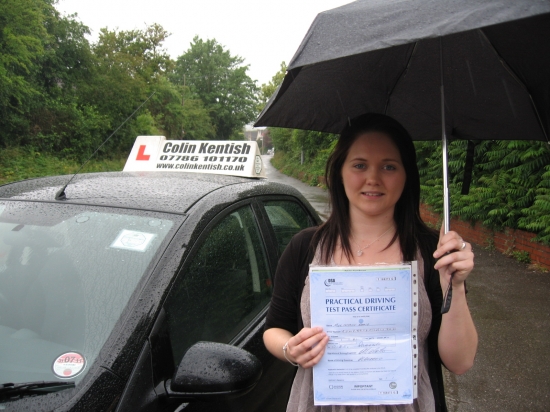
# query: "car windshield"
66, 275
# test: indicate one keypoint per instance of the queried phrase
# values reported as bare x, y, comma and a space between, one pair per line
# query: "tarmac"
510, 305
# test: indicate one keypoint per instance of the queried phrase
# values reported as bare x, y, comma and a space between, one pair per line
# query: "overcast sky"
263, 32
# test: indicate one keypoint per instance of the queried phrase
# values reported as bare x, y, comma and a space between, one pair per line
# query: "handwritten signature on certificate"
369, 313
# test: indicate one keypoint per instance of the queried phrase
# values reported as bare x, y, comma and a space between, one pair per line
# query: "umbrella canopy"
493, 58
463, 69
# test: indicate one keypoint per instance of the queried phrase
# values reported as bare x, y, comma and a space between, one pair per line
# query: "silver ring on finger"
463, 245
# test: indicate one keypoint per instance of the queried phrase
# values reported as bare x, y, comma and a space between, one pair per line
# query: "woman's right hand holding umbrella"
458, 339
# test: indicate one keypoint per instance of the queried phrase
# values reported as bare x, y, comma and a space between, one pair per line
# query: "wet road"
510, 304
316, 196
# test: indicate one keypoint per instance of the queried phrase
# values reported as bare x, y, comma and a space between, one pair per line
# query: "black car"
142, 291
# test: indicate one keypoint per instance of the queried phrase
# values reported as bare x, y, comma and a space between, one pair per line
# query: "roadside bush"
293, 145
510, 184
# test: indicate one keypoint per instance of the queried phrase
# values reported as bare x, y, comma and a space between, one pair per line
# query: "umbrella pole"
446, 212
446, 221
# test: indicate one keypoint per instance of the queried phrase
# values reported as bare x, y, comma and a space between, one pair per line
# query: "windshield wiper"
12, 391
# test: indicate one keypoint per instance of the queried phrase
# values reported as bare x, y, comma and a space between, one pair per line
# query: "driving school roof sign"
235, 158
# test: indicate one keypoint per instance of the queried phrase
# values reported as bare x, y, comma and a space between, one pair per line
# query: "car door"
221, 295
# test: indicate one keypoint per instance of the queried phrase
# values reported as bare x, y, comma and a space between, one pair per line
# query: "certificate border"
413, 266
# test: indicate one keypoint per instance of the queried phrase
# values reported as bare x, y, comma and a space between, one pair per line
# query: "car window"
66, 275
223, 287
287, 218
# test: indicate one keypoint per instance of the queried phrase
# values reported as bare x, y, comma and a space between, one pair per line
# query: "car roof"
162, 191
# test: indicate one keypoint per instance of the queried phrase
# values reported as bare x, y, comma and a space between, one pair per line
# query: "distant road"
316, 196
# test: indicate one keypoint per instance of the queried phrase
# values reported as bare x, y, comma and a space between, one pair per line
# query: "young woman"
374, 188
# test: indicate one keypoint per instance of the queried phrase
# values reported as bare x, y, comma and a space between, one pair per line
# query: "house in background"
260, 135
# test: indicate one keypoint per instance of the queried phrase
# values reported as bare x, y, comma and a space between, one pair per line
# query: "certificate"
370, 315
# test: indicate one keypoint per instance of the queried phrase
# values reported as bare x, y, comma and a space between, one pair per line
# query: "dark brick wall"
505, 242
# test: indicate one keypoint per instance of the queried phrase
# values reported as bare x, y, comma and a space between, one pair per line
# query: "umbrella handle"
446, 305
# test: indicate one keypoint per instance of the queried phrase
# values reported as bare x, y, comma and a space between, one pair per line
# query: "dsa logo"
329, 281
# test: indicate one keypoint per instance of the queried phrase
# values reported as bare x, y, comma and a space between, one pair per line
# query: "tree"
132, 65
138, 52
128, 65
221, 82
22, 35
67, 60
178, 117
44, 64
282, 139
63, 121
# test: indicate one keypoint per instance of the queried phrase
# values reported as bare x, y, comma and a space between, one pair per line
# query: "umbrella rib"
343, 108
517, 79
400, 77
471, 77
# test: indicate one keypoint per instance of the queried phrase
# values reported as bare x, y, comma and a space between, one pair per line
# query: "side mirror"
211, 370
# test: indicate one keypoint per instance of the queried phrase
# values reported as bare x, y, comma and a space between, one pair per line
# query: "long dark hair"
411, 230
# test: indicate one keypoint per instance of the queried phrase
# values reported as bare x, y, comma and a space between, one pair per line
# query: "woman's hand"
457, 341
306, 348
455, 256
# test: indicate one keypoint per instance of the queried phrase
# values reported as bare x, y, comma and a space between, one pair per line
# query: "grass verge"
309, 173
21, 163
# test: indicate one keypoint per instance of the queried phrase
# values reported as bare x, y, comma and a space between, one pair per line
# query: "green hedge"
510, 184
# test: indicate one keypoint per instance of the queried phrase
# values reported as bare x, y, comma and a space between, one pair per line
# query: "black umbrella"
463, 69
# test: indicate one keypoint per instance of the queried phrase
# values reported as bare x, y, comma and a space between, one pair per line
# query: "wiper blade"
12, 391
